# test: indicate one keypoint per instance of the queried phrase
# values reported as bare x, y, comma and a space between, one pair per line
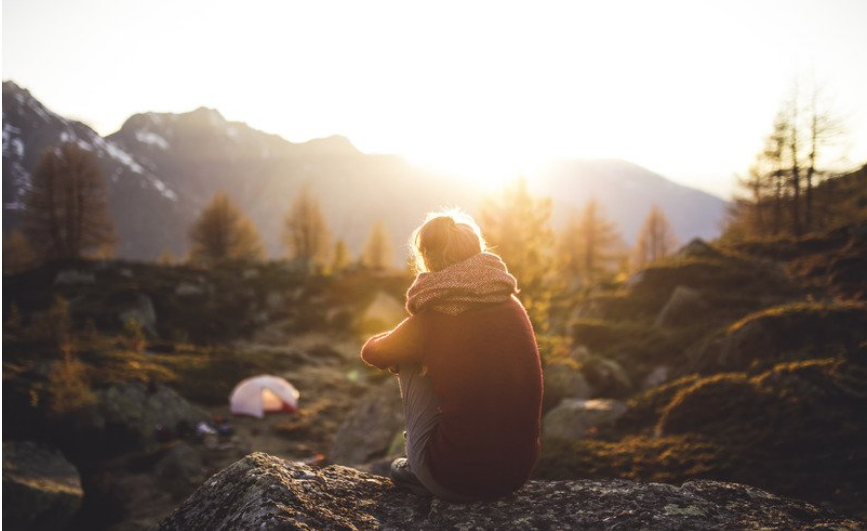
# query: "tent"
263, 394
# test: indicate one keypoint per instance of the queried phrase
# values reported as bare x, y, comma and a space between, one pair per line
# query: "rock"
607, 378
41, 489
658, 376
573, 418
145, 415
275, 301
180, 470
187, 289
266, 493
790, 332
685, 306
563, 381
72, 277
382, 314
698, 248
369, 430
141, 310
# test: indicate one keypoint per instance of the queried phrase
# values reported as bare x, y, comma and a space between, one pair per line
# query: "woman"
469, 369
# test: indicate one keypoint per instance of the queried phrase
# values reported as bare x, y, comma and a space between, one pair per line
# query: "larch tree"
656, 239
305, 232
222, 233
779, 198
18, 254
340, 256
378, 252
66, 209
589, 246
516, 225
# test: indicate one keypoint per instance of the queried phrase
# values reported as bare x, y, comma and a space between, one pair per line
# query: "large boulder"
136, 416
266, 493
574, 419
41, 489
606, 377
140, 309
369, 430
563, 380
792, 332
685, 307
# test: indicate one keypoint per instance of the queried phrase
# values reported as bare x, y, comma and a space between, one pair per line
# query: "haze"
487, 90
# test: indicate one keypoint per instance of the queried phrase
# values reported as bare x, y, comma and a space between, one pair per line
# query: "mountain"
627, 192
163, 168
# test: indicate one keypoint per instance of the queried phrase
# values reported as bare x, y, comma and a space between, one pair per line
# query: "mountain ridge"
163, 168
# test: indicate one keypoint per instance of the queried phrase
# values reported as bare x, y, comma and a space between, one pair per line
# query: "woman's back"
485, 369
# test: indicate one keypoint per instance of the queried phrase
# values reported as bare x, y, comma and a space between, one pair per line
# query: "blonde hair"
444, 239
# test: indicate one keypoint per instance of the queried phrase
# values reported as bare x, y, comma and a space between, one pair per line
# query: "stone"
563, 381
180, 470
275, 301
698, 248
685, 307
187, 289
147, 415
72, 277
41, 489
267, 493
383, 313
141, 310
369, 430
574, 418
658, 376
606, 377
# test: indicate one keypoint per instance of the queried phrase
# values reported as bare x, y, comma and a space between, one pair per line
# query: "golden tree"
341, 257
656, 240
516, 225
18, 254
590, 245
378, 252
306, 234
222, 233
66, 209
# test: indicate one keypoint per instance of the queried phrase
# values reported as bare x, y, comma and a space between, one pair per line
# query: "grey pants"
421, 409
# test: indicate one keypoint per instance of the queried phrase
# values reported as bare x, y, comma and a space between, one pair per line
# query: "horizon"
481, 104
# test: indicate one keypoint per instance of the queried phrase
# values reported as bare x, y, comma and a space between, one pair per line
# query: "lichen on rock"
267, 493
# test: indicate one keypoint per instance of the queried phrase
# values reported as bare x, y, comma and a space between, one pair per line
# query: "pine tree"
306, 234
66, 209
341, 257
516, 225
222, 233
589, 245
18, 254
656, 240
378, 250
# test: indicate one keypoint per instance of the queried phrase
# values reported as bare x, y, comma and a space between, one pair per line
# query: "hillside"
163, 168
740, 364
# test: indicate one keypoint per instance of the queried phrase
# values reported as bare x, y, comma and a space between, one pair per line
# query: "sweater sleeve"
390, 349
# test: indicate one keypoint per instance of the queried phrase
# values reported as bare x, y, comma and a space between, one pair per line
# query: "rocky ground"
742, 365
264, 492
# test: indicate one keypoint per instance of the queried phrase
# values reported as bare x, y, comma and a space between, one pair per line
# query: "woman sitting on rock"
469, 369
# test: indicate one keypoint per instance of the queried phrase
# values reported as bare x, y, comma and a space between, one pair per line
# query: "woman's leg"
421, 409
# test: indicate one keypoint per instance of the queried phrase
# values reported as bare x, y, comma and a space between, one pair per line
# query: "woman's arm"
390, 349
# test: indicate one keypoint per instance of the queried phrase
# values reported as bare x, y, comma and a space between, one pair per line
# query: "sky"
488, 90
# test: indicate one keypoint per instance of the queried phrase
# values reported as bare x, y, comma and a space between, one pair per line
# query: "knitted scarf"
480, 279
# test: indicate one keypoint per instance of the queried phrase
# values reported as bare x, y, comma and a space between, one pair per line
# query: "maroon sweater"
485, 369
